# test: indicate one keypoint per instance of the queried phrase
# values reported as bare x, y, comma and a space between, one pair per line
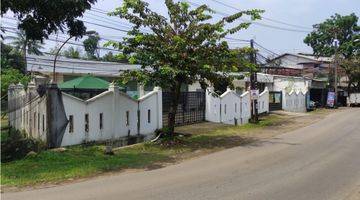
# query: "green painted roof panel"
85, 82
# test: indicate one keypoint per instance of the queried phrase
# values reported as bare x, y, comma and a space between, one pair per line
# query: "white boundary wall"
27, 110
144, 114
230, 108
114, 106
263, 102
294, 101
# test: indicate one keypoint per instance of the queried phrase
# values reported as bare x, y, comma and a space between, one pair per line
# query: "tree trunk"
175, 96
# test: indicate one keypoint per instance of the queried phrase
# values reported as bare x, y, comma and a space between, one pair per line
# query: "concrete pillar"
11, 104
31, 91
159, 107
141, 90
115, 92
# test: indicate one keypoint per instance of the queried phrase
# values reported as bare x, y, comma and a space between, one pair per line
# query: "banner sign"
330, 99
254, 94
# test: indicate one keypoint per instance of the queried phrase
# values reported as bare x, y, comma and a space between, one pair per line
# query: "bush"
17, 145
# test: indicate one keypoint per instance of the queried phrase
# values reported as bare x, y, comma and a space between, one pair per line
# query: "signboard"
330, 99
254, 94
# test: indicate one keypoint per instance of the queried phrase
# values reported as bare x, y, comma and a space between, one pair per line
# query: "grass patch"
4, 128
80, 161
77, 162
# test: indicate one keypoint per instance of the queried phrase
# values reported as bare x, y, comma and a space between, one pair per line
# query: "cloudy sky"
300, 14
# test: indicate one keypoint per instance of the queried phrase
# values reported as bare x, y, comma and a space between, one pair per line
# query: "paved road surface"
321, 161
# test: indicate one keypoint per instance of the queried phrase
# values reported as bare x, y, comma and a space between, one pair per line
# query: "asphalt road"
321, 161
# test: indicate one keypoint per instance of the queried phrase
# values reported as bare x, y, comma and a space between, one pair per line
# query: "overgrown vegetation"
16, 145
80, 161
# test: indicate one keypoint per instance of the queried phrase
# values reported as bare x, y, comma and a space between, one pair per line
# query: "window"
34, 120
43, 123
101, 121
225, 108
127, 118
71, 123
38, 125
235, 107
149, 116
86, 122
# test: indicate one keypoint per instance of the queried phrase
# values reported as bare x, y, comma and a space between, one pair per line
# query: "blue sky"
303, 13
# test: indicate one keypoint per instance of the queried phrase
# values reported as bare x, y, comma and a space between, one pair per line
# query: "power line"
69, 42
253, 22
273, 20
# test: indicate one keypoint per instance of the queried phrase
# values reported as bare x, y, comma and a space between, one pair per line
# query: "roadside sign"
254, 94
330, 99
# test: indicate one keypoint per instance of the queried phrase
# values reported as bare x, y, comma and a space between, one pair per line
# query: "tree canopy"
91, 45
352, 69
20, 41
11, 58
344, 28
41, 18
181, 48
71, 52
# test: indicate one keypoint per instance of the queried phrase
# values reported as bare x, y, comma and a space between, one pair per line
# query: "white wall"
27, 110
289, 83
31, 115
245, 108
294, 101
113, 105
263, 102
229, 108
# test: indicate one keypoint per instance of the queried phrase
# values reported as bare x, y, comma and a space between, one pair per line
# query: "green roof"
85, 82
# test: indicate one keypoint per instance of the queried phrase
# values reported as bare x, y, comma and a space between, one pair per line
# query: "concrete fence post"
11, 104
159, 107
115, 92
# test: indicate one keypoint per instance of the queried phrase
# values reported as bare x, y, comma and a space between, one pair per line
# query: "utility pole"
253, 84
336, 71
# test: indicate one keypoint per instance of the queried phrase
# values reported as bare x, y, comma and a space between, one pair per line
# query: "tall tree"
11, 58
352, 69
91, 46
347, 31
343, 28
184, 48
26, 45
111, 57
39, 19
71, 52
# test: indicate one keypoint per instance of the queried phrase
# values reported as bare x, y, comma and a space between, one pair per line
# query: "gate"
191, 108
275, 101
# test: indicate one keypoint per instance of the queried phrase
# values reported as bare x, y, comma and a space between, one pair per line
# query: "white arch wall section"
230, 107
294, 101
263, 102
245, 107
116, 123
27, 111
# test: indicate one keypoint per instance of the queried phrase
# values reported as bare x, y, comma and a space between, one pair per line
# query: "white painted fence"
263, 102
27, 110
111, 115
230, 108
294, 101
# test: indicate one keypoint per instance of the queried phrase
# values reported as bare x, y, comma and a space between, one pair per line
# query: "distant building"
289, 64
68, 69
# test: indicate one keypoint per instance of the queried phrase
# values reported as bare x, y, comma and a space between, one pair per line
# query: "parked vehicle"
353, 99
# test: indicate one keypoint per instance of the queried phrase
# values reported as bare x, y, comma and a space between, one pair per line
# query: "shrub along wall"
17, 145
